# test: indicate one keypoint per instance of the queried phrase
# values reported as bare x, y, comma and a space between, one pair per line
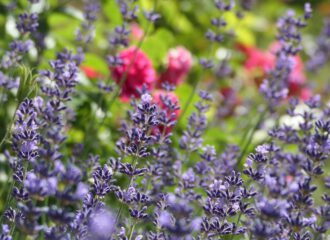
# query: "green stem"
12, 229
132, 231
237, 222
193, 91
7, 200
246, 133
249, 140
44, 216
9, 127
191, 95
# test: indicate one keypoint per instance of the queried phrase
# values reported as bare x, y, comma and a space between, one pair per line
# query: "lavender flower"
137, 137
275, 88
283, 175
15, 55
101, 225
118, 38
151, 16
148, 184
86, 32
25, 136
5, 233
322, 52
191, 139
8, 82
27, 23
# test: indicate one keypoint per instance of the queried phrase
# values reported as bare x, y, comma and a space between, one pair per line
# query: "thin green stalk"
246, 133
12, 229
44, 216
132, 231
5, 185
255, 128
7, 199
193, 91
237, 222
191, 95
8, 129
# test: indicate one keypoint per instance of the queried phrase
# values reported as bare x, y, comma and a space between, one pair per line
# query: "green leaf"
28, 86
157, 45
112, 12
63, 27
97, 63
183, 92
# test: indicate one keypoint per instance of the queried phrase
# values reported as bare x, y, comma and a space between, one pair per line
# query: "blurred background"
182, 23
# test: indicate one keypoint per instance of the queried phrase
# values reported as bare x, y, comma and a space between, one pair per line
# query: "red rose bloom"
179, 62
90, 72
137, 69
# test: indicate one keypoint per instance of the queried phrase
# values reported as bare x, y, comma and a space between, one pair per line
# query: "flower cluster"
289, 210
118, 171
136, 69
275, 86
179, 62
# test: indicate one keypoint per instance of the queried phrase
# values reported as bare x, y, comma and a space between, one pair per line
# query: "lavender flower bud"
27, 23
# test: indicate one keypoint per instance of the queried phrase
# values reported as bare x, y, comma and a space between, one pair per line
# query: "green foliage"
157, 45
28, 84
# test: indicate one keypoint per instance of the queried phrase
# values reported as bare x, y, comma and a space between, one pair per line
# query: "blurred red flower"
179, 62
135, 72
90, 72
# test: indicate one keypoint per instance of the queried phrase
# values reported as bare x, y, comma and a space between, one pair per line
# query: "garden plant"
164, 119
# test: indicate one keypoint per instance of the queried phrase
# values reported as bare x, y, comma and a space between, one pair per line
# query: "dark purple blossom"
27, 23
25, 136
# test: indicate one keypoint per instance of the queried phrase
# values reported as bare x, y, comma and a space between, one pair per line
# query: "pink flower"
135, 72
259, 60
305, 93
179, 62
159, 97
137, 31
90, 72
258, 63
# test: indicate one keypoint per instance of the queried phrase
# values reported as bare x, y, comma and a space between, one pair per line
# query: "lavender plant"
155, 179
